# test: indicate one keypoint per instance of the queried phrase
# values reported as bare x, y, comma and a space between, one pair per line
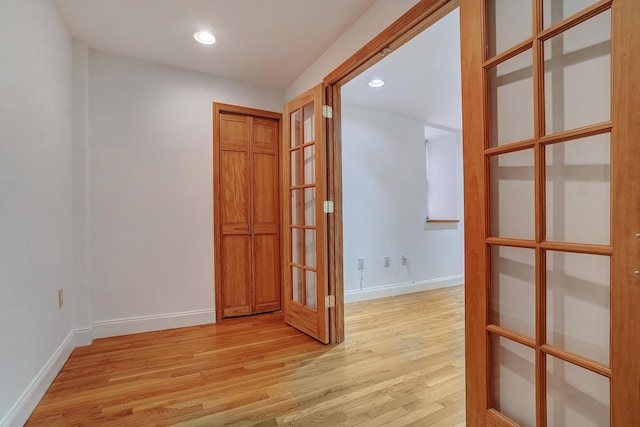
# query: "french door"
304, 229
551, 93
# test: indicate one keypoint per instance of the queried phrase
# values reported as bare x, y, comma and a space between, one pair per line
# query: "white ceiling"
266, 42
422, 78
272, 42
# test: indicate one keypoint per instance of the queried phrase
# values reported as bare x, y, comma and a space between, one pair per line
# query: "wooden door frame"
219, 108
625, 392
417, 19
625, 180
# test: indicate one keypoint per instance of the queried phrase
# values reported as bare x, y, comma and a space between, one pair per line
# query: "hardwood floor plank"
402, 363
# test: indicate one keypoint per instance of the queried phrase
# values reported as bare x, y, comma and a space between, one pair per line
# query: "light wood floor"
401, 364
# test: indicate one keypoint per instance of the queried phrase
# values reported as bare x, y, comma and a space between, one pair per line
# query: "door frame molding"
417, 19
219, 108
624, 391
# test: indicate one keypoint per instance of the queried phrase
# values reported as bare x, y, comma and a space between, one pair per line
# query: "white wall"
35, 198
382, 14
151, 208
80, 162
384, 209
105, 183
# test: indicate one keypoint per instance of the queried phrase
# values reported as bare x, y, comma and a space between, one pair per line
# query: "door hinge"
328, 206
327, 112
330, 301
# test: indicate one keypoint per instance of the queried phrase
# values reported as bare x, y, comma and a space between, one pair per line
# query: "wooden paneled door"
551, 96
304, 230
246, 211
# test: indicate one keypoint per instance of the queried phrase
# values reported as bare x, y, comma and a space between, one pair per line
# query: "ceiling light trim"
204, 37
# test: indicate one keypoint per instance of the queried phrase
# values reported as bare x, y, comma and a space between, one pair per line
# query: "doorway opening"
402, 169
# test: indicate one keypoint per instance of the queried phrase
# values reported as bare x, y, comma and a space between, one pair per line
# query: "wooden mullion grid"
304, 227
508, 54
302, 186
302, 146
539, 121
304, 267
574, 20
498, 419
516, 243
300, 178
574, 134
487, 316
578, 248
578, 360
511, 335
541, 337
510, 148
538, 143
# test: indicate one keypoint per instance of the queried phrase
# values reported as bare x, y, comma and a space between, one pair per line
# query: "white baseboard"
20, 411
82, 337
401, 289
135, 325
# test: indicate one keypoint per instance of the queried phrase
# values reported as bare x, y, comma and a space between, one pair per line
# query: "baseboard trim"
82, 337
20, 411
135, 325
401, 289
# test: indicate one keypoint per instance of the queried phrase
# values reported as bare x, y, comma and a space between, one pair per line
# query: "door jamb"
217, 235
417, 19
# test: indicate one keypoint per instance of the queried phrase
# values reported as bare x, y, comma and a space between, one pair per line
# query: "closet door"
234, 212
266, 215
246, 188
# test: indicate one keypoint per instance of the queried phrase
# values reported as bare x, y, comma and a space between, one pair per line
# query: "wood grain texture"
313, 319
246, 210
335, 259
401, 364
234, 195
625, 186
266, 216
625, 222
236, 275
475, 209
417, 19
266, 249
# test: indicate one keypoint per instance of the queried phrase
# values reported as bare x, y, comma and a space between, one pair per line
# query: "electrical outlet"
360, 263
387, 262
60, 298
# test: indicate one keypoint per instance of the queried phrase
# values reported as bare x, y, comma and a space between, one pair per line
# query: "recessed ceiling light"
204, 37
376, 83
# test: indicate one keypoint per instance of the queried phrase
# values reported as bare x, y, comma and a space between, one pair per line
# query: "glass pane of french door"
303, 205
548, 161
